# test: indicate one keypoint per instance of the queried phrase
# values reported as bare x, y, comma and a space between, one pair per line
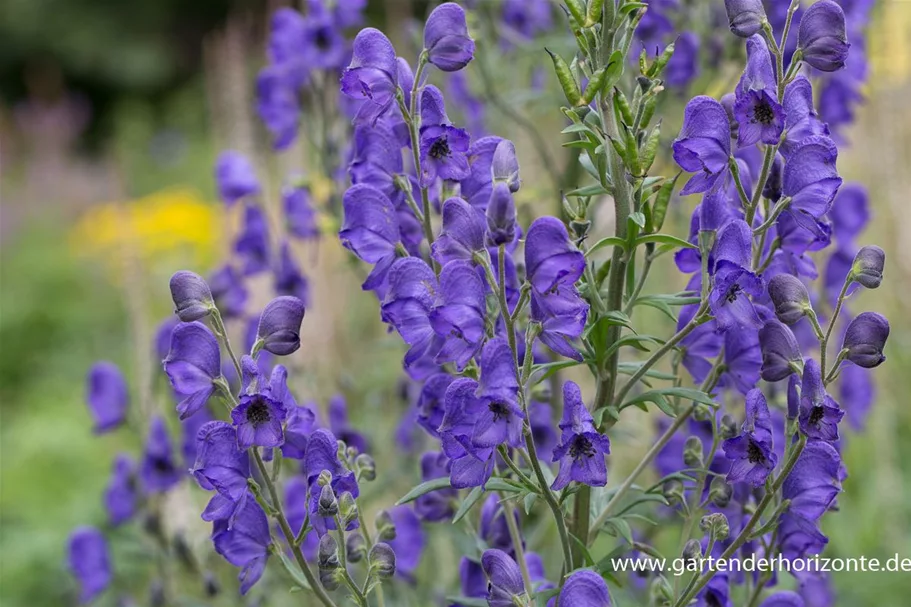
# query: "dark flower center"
732, 293
322, 39
712, 601
816, 415
258, 412
440, 148
499, 410
581, 446
754, 453
162, 465
763, 113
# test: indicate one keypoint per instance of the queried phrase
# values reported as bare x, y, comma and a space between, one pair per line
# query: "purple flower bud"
462, 235
192, 365
235, 177
822, 37
501, 215
790, 298
381, 559
158, 471
279, 325
504, 578
780, 352
867, 268
704, 144
745, 16
585, 587
120, 495
505, 166
108, 396
89, 562
865, 339
446, 39
772, 189
191, 295
372, 75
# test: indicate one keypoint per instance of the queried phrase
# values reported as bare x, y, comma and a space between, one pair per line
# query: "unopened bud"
716, 525
324, 478
385, 528
692, 452
356, 547
720, 492
672, 491
328, 578
328, 504
865, 339
867, 268
728, 427
381, 561
347, 509
692, 550
192, 297
366, 467
790, 298
327, 554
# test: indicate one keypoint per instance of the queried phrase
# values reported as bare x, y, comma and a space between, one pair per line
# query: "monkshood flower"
790, 297
586, 589
220, 465
120, 494
438, 505
300, 423
277, 104
285, 45
430, 408
323, 43
409, 541
471, 465
811, 487
822, 37
409, 299
289, 280
758, 113
501, 216
582, 448
191, 295
810, 178
158, 471
279, 326
458, 316
296, 510
252, 243
734, 283
528, 17
784, 598
261, 411
819, 413
108, 396
540, 415
742, 360
446, 40
235, 177
500, 420
550, 258
300, 216
89, 561
372, 75
801, 119
493, 527
189, 429
704, 144
371, 231
745, 16
505, 165
377, 158
341, 426
780, 352
850, 212
228, 291
504, 579
477, 187
192, 366
443, 146
245, 543
700, 347
462, 235
867, 268
751, 450
865, 339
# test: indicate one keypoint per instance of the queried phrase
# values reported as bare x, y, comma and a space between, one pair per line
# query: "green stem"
222, 332
824, 342
508, 511
359, 596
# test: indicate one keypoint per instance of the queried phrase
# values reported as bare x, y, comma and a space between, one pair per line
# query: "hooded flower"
585, 588
462, 235
758, 113
259, 415
801, 119
458, 316
371, 231
443, 147
822, 37
228, 291
446, 39
850, 212
235, 177
438, 505
300, 216
252, 244
704, 144
108, 396
500, 420
323, 454
220, 464
504, 578
477, 187
734, 283
745, 16
751, 451
300, 423
279, 325
562, 316
246, 543
819, 413
410, 297
89, 562
277, 103
701, 346
865, 339
191, 295
550, 258
582, 449
120, 494
780, 352
341, 426
193, 364
471, 465
742, 360
811, 487
810, 178
158, 472
501, 216
372, 75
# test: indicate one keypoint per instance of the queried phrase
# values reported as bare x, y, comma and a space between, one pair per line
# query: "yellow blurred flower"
172, 223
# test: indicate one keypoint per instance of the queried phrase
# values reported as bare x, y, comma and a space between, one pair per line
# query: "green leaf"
612, 241
651, 396
596, 189
690, 394
529, 501
470, 500
293, 570
629, 368
579, 127
666, 239
551, 368
620, 528
589, 561
424, 488
637, 218
635, 341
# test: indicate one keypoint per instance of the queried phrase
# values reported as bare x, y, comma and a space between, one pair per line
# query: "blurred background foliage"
111, 114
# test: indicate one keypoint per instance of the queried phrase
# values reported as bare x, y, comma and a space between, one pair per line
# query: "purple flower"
751, 450
323, 454
811, 487
701, 346
191, 295
446, 39
371, 231
501, 216
867, 268
760, 116
500, 420
810, 178
704, 144
458, 317
586, 589
372, 75
430, 402
443, 147
790, 297
527, 17
252, 244
477, 187
120, 494
783, 598
323, 43
261, 411
550, 258
289, 280
158, 471
300, 216
341, 426
300, 423
801, 119
850, 212
107, 396
742, 360
471, 465
411, 295
822, 37
504, 578
246, 542
745, 16
865, 339
437, 505
582, 448
228, 291
193, 364
733, 282
493, 527
89, 562
235, 177
542, 430
220, 465
279, 326
409, 541
819, 413
277, 103
780, 352
683, 66
462, 235
285, 38
472, 578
